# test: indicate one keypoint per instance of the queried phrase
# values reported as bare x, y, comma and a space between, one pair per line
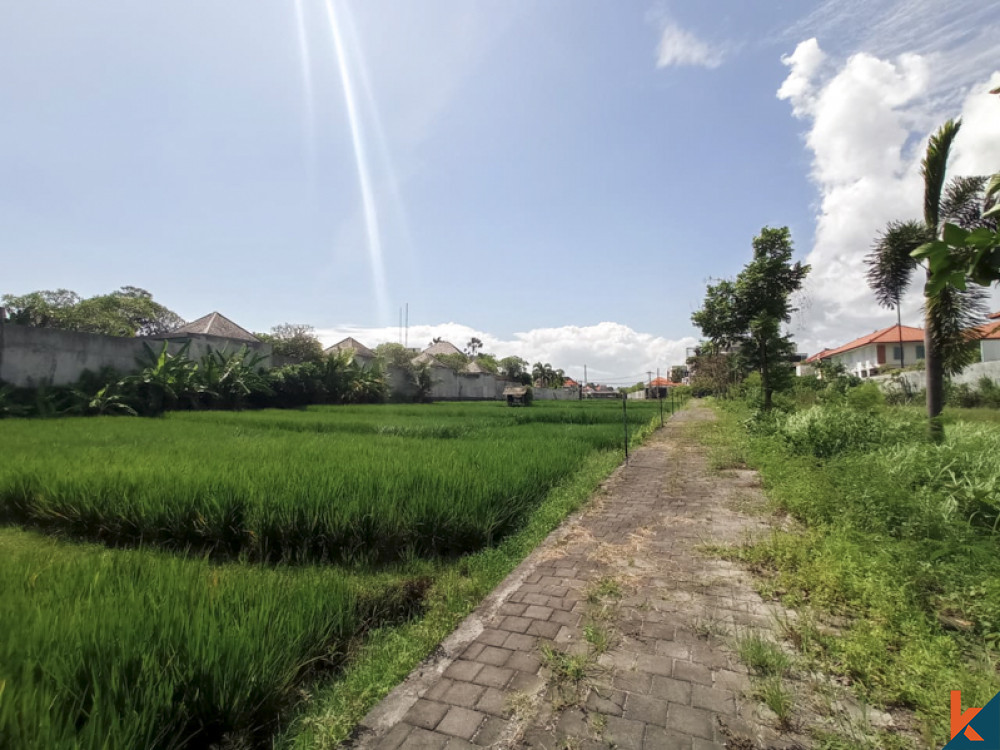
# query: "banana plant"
106, 401
165, 379
232, 376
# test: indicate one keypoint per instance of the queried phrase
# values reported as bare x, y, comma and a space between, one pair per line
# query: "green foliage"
455, 362
130, 311
295, 342
110, 648
135, 649
233, 377
900, 541
546, 377
764, 657
951, 307
825, 431
164, 380
221, 483
515, 368
748, 313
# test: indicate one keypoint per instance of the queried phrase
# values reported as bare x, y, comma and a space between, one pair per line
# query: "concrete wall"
557, 394
457, 386
970, 376
990, 349
47, 356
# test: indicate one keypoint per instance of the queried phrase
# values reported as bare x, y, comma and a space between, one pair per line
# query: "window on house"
920, 351
897, 353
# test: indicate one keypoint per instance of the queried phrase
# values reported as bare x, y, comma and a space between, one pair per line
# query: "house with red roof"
888, 348
660, 388
989, 338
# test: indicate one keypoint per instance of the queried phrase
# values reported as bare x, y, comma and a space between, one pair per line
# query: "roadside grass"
898, 542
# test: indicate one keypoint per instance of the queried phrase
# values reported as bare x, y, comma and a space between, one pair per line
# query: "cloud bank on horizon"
612, 352
868, 121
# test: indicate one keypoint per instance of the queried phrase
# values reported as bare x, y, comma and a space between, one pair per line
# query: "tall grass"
137, 649
901, 535
321, 485
123, 648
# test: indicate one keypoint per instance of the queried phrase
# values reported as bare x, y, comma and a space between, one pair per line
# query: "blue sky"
558, 177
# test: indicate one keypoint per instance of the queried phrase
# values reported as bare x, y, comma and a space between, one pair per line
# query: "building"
888, 348
989, 339
362, 354
442, 347
214, 324
660, 388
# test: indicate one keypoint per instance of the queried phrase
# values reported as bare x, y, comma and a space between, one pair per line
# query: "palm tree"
948, 312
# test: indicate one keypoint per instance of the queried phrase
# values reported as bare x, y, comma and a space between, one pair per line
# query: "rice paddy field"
186, 581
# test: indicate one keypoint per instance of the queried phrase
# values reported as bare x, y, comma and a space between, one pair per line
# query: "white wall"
990, 349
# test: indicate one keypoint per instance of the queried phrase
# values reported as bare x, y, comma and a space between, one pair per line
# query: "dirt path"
618, 632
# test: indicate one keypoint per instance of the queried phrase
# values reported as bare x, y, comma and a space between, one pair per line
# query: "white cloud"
977, 147
611, 351
680, 47
869, 119
958, 37
804, 63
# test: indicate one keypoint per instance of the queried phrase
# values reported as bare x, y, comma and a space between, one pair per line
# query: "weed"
772, 692
762, 656
604, 588
598, 723
568, 674
598, 636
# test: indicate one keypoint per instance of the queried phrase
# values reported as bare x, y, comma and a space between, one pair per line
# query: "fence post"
625, 423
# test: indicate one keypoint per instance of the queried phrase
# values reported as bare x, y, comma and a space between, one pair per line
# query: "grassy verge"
897, 548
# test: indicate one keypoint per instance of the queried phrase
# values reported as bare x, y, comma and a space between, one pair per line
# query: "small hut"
517, 395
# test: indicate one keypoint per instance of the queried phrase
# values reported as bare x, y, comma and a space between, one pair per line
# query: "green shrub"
825, 431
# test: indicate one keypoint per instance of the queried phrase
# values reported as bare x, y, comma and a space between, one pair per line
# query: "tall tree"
129, 311
296, 341
951, 308
747, 314
473, 347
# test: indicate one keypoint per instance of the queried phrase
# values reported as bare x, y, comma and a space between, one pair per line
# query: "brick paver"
668, 679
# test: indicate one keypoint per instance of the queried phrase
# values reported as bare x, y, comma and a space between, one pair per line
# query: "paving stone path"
616, 633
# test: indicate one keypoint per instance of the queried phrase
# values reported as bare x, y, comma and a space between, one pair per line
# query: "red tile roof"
987, 330
662, 383
890, 335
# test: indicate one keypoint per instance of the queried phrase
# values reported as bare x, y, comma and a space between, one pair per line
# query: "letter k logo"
960, 721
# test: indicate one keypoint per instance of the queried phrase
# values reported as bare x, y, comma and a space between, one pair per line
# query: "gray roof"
473, 368
442, 347
214, 324
359, 349
425, 357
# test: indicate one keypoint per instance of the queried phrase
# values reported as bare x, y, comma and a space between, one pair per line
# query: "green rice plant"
128, 649
232, 488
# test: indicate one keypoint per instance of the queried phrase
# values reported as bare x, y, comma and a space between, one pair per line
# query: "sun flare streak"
364, 171
308, 92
